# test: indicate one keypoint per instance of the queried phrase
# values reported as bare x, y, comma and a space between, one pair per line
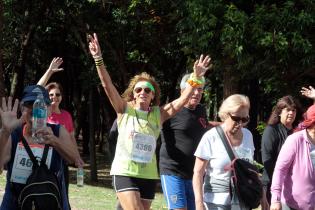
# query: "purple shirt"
293, 181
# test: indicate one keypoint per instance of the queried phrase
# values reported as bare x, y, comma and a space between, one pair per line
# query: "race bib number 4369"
22, 165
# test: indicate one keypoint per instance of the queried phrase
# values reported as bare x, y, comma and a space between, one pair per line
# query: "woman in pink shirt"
58, 115
293, 181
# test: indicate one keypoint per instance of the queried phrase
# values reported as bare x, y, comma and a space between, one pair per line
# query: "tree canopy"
264, 49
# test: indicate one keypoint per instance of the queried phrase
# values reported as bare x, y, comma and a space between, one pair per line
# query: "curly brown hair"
144, 76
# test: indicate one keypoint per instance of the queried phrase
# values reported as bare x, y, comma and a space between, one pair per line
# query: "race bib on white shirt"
143, 147
22, 165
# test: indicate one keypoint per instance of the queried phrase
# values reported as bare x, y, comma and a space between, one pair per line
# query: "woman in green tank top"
139, 117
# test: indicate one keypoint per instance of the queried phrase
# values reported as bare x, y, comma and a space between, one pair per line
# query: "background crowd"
192, 161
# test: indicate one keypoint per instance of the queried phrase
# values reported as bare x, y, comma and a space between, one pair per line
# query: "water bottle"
80, 176
39, 117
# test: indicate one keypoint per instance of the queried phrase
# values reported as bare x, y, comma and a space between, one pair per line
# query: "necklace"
147, 120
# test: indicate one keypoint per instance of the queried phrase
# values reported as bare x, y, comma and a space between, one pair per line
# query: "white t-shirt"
211, 148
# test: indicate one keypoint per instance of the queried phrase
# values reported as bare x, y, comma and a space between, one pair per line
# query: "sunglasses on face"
139, 89
56, 94
239, 119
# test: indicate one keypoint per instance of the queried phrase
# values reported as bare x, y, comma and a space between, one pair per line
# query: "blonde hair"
231, 104
128, 94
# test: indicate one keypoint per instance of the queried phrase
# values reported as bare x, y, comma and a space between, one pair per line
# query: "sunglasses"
239, 119
139, 89
56, 94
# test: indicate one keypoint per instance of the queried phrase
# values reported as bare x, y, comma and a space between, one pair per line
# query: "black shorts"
146, 187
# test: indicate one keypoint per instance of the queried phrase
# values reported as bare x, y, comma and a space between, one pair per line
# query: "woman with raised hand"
139, 118
58, 115
12, 150
55, 90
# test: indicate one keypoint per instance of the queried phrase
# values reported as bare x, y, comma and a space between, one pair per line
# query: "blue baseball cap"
30, 94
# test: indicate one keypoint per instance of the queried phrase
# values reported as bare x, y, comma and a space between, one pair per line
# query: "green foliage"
271, 42
258, 165
261, 127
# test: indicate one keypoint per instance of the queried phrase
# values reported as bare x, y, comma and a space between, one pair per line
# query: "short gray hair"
231, 104
183, 82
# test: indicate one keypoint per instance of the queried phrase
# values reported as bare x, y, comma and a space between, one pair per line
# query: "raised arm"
117, 102
53, 67
196, 80
9, 121
308, 92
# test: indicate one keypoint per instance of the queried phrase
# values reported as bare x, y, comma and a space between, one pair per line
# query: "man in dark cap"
12, 150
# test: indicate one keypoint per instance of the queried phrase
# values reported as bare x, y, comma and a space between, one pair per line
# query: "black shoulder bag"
42, 189
245, 177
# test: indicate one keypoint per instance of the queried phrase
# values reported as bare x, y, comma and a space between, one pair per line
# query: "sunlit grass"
93, 197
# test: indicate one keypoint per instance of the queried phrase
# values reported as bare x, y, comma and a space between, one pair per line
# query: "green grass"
100, 198
91, 197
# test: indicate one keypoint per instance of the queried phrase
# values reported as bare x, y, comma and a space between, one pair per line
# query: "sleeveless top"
12, 190
136, 143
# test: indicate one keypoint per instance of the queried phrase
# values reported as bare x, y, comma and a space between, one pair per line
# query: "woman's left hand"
202, 65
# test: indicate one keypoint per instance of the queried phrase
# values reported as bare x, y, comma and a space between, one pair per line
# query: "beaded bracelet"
99, 62
98, 59
193, 83
196, 80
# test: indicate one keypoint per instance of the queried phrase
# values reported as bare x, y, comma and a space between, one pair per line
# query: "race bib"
22, 165
143, 147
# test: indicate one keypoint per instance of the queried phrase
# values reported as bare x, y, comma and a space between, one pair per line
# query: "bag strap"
225, 142
44, 156
31, 155
29, 151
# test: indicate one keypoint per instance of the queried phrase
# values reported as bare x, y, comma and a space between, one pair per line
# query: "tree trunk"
230, 81
92, 135
253, 94
19, 69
